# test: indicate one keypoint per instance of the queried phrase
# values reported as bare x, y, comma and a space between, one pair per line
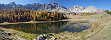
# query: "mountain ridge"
33, 6
52, 7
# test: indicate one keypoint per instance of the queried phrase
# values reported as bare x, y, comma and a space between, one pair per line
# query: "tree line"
109, 12
25, 15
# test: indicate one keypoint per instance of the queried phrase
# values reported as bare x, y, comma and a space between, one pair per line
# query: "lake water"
49, 27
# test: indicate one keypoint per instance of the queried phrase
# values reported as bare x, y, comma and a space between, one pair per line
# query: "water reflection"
49, 27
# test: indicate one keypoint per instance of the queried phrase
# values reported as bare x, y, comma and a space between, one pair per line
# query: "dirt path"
104, 34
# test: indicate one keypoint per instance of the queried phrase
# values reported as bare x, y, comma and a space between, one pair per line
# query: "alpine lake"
49, 27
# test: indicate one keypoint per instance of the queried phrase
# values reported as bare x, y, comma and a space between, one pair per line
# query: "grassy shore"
20, 34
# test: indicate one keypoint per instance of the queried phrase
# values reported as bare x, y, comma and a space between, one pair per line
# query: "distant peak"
54, 3
91, 6
12, 3
77, 6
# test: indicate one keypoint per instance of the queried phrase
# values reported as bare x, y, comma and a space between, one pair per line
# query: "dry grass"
98, 21
20, 34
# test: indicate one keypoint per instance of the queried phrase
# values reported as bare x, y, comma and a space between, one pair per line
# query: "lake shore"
76, 20
98, 24
71, 20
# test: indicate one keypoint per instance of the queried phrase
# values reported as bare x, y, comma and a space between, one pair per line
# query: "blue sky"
104, 4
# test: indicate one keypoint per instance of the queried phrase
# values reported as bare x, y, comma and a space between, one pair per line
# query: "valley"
52, 21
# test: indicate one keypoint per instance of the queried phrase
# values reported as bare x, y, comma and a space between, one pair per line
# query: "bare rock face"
92, 9
60, 9
33, 6
100, 11
52, 7
89, 9
76, 9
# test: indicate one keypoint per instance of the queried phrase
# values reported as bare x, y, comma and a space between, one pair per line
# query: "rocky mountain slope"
76, 9
33, 6
89, 9
52, 7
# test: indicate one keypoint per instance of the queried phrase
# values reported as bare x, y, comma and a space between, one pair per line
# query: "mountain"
89, 9
52, 7
60, 9
76, 9
100, 11
33, 6
92, 9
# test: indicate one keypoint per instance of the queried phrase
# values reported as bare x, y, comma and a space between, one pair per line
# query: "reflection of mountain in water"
49, 27
76, 27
